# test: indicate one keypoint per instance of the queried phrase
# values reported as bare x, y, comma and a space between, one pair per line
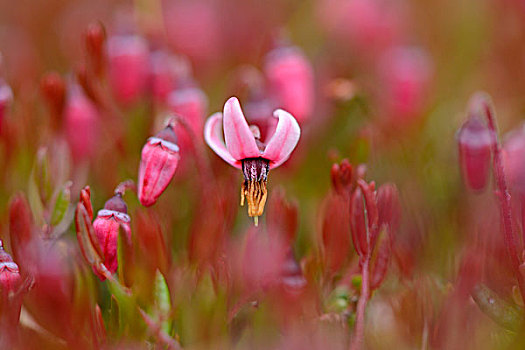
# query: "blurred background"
385, 83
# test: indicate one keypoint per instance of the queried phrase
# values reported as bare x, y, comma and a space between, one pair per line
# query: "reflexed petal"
283, 140
239, 139
213, 137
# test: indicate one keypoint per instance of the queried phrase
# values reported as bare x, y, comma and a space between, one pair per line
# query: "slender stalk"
359, 332
503, 195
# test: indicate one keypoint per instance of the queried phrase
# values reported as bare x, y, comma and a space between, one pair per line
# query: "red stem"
504, 198
359, 332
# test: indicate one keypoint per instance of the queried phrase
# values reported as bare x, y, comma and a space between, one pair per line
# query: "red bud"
342, 176
475, 142
85, 199
95, 38
364, 218
159, 160
106, 227
53, 89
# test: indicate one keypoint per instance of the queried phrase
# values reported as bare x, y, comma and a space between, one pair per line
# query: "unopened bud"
128, 67
342, 176
191, 105
364, 218
475, 142
9, 274
159, 160
106, 226
95, 37
53, 89
291, 80
80, 119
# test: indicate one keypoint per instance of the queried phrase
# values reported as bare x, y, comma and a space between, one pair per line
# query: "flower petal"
239, 139
213, 137
283, 140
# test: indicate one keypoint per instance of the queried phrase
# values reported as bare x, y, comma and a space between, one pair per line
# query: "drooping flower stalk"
502, 193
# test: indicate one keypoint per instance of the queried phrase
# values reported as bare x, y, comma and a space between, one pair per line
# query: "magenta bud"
106, 228
474, 142
80, 119
163, 74
128, 67
159, 160
9, 273
291, 80
406, 77
191, 104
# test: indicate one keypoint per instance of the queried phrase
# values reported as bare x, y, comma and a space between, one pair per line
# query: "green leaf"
500, 311
33, 196
163, 301
62, 201
125, 258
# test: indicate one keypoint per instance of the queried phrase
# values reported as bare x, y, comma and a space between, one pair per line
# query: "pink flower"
159, 160
243, 149
106, 226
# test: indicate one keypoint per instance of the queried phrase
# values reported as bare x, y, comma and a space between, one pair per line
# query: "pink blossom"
243, 149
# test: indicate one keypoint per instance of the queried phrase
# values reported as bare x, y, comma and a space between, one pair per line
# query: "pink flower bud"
368, 26
191, 104
106, 226
159, 160
364, 218
128, 67
9, 274
162, 75
475, 141
406, 74
80, 119
193, 29
94, 40
53, 89
291, 81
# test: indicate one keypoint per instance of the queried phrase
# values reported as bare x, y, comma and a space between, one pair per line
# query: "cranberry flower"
243, 148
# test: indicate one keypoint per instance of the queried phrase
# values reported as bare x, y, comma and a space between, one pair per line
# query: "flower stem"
359, 332
504, 197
